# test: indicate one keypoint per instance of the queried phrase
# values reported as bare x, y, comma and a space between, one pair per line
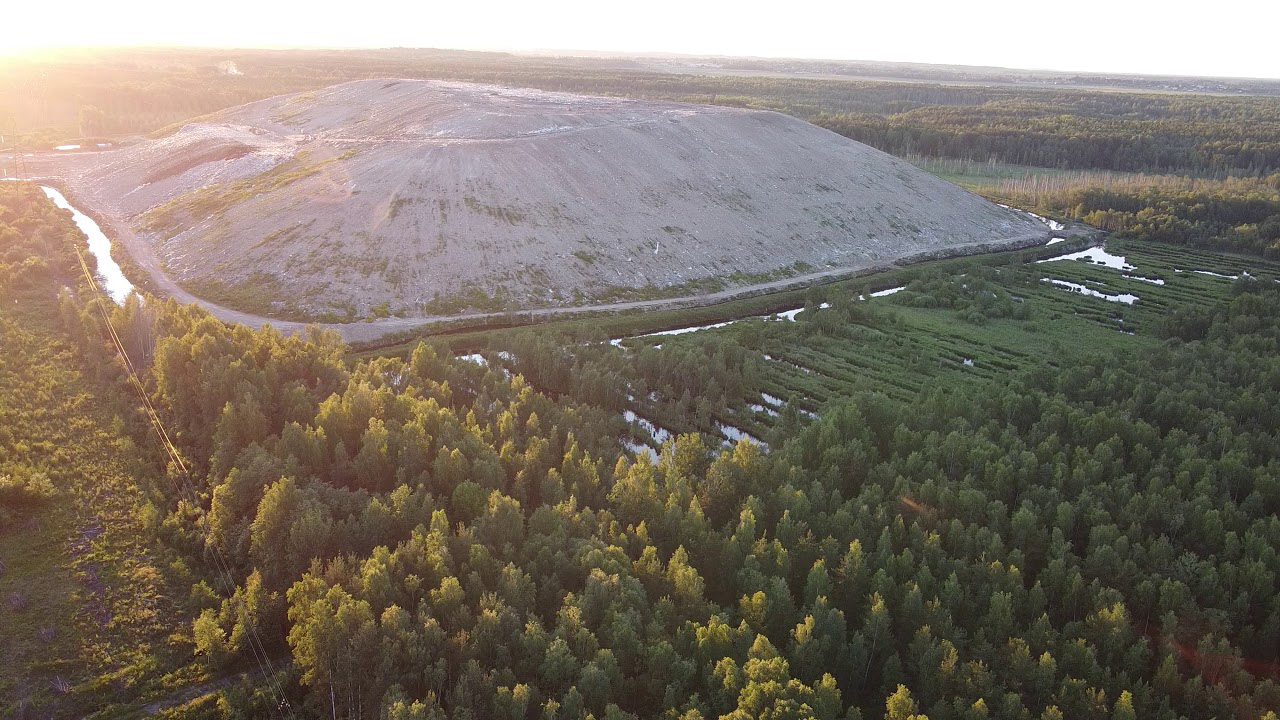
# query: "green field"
996, 312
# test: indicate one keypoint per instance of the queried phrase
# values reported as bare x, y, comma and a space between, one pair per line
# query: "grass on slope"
217, 199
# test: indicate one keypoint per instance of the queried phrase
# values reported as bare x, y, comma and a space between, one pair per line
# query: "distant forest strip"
138, 91
975, 75
1234, 215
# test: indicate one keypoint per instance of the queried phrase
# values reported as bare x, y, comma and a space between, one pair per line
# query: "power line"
186, 491
19, 164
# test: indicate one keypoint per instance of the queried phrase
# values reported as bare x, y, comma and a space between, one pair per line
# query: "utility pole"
18, 167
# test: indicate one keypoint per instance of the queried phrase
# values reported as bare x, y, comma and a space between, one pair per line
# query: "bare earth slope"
433, 196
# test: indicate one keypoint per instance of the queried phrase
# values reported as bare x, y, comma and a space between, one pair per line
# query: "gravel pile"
405, 191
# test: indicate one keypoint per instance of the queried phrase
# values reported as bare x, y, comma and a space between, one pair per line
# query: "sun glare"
998, 32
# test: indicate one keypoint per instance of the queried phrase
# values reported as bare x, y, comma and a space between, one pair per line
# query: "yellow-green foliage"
22, 485
1235, 214
37, 245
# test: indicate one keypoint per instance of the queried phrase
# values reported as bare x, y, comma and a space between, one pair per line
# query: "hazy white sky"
1223, 37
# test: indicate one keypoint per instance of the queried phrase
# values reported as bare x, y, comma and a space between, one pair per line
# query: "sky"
1220, 38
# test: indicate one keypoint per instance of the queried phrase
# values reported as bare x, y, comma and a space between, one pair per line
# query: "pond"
659, 434
784, 315
1125, 298
734, 435
1210, 273
1095, 255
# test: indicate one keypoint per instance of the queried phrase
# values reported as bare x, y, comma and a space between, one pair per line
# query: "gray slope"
418, 189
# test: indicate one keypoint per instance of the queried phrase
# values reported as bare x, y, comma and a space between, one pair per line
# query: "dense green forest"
976, 75
1153, 133
1234, 215
1093, 535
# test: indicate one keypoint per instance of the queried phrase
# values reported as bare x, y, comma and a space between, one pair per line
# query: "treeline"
1235, 215
1002, 76
37, 246
141, 90
1059, 129
36, 255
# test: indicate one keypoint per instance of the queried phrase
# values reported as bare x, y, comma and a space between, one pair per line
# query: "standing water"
113, 279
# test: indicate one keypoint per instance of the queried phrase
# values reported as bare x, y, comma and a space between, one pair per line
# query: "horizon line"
18, 52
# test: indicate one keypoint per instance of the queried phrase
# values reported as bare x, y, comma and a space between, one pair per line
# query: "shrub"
24, 486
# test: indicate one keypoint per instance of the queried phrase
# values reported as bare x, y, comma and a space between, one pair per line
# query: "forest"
1240, 215
1085, 534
